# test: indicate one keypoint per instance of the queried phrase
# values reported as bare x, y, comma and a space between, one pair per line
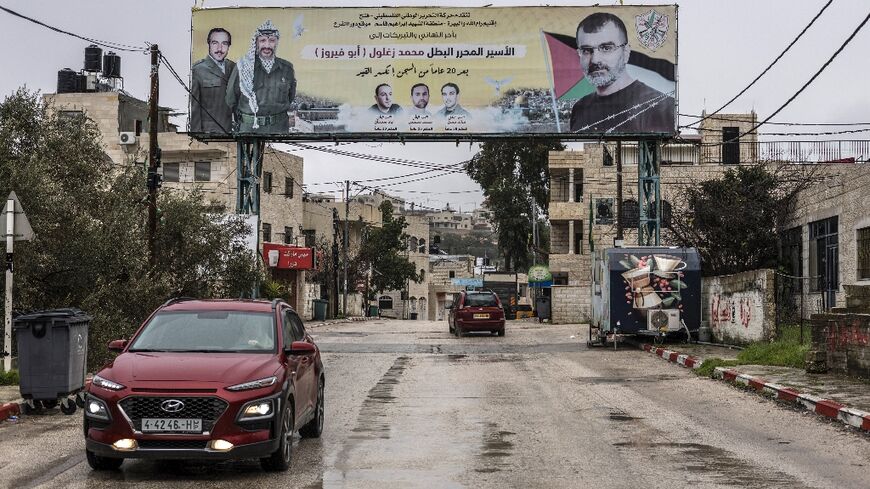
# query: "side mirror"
301, 348
117, 346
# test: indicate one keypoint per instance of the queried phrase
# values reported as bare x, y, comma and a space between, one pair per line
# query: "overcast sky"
723, 45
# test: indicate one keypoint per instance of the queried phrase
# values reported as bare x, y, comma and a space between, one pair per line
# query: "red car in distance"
207, 379
476, 311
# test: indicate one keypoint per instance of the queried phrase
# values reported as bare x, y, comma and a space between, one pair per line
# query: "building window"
138, 127
422, 275
288, 235
578, 185
862, 245
791, 258
267, 182
604, 213
385, 302
202, 171
70, 114
451, 274
267, 232
578, 237
824, 257
170, 172
288, 187
310, 237
730, 145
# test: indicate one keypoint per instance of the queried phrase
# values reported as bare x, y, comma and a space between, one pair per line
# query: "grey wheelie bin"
52, 357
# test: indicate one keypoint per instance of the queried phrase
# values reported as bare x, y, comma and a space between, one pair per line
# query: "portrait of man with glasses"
619, 104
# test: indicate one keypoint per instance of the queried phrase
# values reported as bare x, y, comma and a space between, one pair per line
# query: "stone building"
583, 195
211, 167
413, 302
443, 269
323, 221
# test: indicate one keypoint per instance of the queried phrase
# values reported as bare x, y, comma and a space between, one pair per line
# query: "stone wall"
740, 308
842, 342
570, 304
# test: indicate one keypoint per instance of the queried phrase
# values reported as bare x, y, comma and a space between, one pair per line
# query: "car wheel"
103, 463
279, 461
314, 428
501, 332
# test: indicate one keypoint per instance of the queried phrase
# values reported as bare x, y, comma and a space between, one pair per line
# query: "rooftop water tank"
67, 81
93, 58
111, 65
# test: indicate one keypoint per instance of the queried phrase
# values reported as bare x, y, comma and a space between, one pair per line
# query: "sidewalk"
833, 396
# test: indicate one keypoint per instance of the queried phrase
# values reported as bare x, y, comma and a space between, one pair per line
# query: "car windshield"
207, 331
481, 300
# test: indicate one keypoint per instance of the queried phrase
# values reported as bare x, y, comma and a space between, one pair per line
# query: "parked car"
207, 379
476, 311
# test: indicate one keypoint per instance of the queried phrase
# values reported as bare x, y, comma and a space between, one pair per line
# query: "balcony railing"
693, 153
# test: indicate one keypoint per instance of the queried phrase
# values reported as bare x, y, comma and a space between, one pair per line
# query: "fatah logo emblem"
652, 29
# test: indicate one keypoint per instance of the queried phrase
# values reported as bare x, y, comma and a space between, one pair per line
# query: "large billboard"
427, 72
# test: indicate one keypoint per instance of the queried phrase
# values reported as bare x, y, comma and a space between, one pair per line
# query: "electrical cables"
787, 48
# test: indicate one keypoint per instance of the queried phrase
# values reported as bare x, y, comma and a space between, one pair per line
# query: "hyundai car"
207, 379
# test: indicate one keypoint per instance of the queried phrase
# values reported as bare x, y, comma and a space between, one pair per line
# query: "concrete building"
583, 195
443, 269
413, 302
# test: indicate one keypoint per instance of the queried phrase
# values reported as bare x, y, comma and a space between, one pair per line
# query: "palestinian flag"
568, 77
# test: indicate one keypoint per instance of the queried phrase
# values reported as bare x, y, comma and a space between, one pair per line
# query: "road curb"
823, 407
687, 361
351, 319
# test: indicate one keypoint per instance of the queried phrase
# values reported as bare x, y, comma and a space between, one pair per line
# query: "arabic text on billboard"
298, 73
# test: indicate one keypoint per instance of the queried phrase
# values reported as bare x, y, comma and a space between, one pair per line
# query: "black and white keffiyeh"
248, 62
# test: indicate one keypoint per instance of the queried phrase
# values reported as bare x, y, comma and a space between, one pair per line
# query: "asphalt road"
410, 406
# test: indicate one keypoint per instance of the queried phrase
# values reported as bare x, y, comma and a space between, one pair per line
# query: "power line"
107, 44
810, 81
792, 43
772, 123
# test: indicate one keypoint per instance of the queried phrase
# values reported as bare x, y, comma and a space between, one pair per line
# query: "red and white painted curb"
687, 361
824, 407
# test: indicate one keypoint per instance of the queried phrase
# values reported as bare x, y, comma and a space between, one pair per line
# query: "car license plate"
170, 425
481, 316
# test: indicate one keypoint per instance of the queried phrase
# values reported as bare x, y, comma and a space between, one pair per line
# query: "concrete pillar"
571, 186
571, 234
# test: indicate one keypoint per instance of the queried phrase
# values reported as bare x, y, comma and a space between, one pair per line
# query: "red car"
207, 379
476, 311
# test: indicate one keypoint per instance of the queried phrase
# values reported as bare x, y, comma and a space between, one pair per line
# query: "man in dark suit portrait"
209, 111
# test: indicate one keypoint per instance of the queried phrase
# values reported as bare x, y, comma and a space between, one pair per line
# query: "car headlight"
254, 384
97, 409
260, 409
106, 383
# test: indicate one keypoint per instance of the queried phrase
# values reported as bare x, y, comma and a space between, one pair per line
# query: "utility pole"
334, 279
153, 182
345, 241
619, 223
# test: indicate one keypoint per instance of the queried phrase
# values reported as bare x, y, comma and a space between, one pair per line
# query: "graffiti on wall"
841, 336
737, 315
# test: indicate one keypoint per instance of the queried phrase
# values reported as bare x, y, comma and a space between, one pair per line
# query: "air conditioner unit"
127, 138
669, 319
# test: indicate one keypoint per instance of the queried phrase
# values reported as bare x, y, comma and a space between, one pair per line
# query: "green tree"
383, 252
515, 177
89, 216
734, 221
